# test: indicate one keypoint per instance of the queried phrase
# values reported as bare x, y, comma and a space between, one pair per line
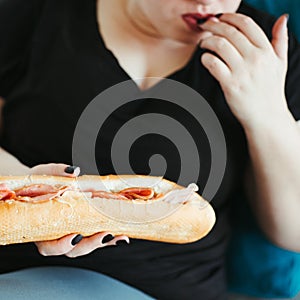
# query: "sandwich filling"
36, 193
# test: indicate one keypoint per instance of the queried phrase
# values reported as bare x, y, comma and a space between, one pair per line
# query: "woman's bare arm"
9, 165
252, 73
273, 182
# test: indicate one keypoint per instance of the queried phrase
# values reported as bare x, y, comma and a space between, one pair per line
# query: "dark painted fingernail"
202, 21
107, 238
218, 15
287, 16
121, 242
76, 239
70, 169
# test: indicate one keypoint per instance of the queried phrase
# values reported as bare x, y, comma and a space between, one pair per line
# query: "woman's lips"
193, 20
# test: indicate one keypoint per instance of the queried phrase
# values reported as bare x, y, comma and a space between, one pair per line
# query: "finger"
216, 67
96, 241
232, 34
55, 169
249, 28
117, 240
280, 37
59, 246
224, 49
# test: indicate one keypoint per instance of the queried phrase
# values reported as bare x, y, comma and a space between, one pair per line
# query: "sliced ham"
36, 190
137, 193
36, 193
126, 194
6, 193
37, 199
108, 195
45, 197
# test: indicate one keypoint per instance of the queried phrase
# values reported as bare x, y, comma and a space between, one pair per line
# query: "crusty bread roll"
76, 211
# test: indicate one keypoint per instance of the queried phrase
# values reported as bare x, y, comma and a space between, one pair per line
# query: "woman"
58, 55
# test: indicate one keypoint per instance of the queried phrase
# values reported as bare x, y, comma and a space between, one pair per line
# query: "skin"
252, 78
164, 22
150, 39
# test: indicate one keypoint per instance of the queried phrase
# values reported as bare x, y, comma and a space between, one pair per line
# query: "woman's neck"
129, 16
139, 50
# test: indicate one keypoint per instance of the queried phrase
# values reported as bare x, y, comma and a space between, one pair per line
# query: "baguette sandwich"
39, 208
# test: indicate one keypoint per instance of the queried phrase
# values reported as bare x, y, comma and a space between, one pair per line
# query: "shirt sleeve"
18, 20
292, 88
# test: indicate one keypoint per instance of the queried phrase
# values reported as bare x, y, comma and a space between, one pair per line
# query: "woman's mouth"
193, 20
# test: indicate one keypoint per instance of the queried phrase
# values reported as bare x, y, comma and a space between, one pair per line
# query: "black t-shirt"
53, 63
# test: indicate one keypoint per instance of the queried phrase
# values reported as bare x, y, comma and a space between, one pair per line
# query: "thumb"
59, 246
280, 37
55, 169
